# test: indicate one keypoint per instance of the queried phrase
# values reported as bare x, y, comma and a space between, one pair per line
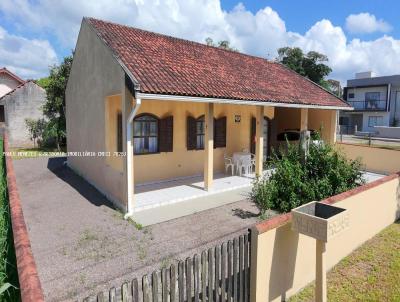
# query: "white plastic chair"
229, 163
253, 162
246, 165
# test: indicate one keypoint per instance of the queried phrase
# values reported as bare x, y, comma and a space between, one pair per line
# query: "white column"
259, 140
128, 148
334, 120
208, 146
303, 119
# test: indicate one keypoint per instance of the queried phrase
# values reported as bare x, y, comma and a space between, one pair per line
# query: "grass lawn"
8, 271
370, 273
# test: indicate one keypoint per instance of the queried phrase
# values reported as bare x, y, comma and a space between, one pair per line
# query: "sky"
356, 35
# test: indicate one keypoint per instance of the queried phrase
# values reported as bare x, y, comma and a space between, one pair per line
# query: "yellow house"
154, 109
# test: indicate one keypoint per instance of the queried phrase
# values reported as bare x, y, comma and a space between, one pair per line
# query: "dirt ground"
82, 245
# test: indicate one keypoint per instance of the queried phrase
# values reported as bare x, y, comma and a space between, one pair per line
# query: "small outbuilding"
19, 103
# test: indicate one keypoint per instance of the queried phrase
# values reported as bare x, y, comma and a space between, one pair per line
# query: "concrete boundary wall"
375, 159
31, 289
283, 262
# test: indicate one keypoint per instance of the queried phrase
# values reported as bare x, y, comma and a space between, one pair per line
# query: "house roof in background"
12, 75
18, 87
167, 65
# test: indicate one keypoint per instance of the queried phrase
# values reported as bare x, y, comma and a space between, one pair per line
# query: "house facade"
376, 102
154, 109
22, 102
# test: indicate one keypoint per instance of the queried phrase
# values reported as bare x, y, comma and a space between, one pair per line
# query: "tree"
224, 44
310, 65
43, 82
36, 129
335, 87
54, 108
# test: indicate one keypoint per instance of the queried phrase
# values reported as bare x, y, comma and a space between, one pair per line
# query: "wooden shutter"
253, 135
119, 132
166, 134
220, 133
191, 133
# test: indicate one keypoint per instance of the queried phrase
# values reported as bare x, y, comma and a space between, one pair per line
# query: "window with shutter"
253, 135
191, 133
166, 134
220, 132
119, 132
145, 134
200, 133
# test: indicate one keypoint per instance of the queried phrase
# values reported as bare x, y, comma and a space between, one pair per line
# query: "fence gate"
219, 274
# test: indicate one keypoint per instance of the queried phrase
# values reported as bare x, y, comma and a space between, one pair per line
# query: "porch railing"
368, 105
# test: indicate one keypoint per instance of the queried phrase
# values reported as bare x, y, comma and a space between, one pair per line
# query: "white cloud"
259, 33
366, 23
27, 58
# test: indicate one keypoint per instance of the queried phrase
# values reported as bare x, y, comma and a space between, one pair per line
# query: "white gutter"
129, 156
182, 98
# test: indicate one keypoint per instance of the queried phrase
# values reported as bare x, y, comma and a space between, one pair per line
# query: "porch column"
259, 140
127, 147
303, 119
208, 145
332, 133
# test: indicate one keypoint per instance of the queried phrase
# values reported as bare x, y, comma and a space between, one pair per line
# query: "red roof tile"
167, 65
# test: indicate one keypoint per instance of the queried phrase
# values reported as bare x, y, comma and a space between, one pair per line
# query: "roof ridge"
11, 74
19, 86
180, 39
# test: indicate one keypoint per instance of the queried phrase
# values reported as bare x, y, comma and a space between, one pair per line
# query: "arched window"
200, 131
145, 134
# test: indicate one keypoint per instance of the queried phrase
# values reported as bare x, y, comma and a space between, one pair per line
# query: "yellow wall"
181, 162
320, 120
283, 262
375, 159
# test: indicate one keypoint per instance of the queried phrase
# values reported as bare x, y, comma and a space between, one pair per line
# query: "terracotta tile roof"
167, 65
9, 73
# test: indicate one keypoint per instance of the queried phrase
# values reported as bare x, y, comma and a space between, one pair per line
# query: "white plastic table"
238, 157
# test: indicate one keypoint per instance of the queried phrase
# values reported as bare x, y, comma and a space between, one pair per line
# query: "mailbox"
319, 220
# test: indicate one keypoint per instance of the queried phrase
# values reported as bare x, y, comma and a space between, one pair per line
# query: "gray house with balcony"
376, 102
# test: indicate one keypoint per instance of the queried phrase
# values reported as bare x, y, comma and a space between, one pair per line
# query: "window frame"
200, 120
120, 144
156, 120
375, 117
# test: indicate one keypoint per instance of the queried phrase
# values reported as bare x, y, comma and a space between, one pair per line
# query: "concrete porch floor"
149, 196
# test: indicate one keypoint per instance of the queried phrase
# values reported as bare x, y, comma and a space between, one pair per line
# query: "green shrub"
325, 173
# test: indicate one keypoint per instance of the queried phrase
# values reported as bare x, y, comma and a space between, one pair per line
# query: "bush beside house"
325, 173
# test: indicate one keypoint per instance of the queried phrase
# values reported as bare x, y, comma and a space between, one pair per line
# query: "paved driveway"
82, 245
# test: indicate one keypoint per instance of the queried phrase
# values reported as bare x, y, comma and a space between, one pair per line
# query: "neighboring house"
22, 102
176, 107
8, 82
376, 102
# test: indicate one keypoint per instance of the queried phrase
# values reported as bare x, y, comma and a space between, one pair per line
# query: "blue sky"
356, 35
300, 15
